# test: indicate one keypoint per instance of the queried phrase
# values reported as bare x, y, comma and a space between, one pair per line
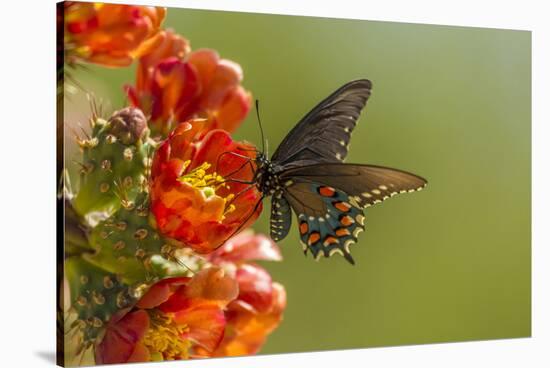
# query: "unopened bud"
128, 124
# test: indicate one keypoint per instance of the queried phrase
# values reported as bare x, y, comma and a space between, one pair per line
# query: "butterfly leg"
248, 159
244, 223
249, 162
241, 193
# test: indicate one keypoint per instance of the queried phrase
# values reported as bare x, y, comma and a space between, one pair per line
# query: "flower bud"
128, 124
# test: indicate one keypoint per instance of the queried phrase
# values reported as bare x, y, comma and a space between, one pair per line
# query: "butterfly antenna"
264, 143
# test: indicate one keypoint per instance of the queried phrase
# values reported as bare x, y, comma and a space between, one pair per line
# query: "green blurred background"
452, 104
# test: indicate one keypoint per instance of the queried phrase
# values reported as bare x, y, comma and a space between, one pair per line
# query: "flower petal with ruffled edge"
247, 246
247, 330
174, 85
108, 34
258, 309
122, 340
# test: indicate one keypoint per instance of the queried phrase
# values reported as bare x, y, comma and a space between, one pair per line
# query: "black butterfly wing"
323, 135
328, 221
329, 200
365, 184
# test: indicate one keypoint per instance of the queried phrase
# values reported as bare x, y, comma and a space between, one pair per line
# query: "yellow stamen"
208, 184
164, 338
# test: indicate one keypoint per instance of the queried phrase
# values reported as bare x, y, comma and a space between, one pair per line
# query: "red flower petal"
226, 76
210, 286
247, 247
160, 292
174, 85
109, 34
206, 325
233, 109
255, 287
122, 337
205, 62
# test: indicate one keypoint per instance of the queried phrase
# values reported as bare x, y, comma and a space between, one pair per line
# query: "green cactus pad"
95, 296
111, 171
128, 245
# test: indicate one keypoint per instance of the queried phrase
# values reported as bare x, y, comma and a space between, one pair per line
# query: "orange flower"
108, 34
194, 197
171, 321
258, 309
163, 45
173, 89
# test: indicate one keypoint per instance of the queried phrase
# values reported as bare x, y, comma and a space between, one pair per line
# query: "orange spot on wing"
327, 191
342, 232
313, 238
330, 240
342, 206
304, 228
346, 220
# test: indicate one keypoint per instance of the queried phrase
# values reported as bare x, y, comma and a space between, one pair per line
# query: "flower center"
164, 338
207, 183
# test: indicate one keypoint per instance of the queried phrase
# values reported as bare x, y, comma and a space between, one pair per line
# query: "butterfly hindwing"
329, 221
365, 184
281, 217
323, 135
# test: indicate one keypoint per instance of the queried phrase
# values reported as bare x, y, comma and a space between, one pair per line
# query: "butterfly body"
306, 174
266, 179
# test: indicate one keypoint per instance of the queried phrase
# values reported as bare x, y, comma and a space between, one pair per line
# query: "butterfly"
306, 174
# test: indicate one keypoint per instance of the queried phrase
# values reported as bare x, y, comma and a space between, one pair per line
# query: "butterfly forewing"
323, 135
